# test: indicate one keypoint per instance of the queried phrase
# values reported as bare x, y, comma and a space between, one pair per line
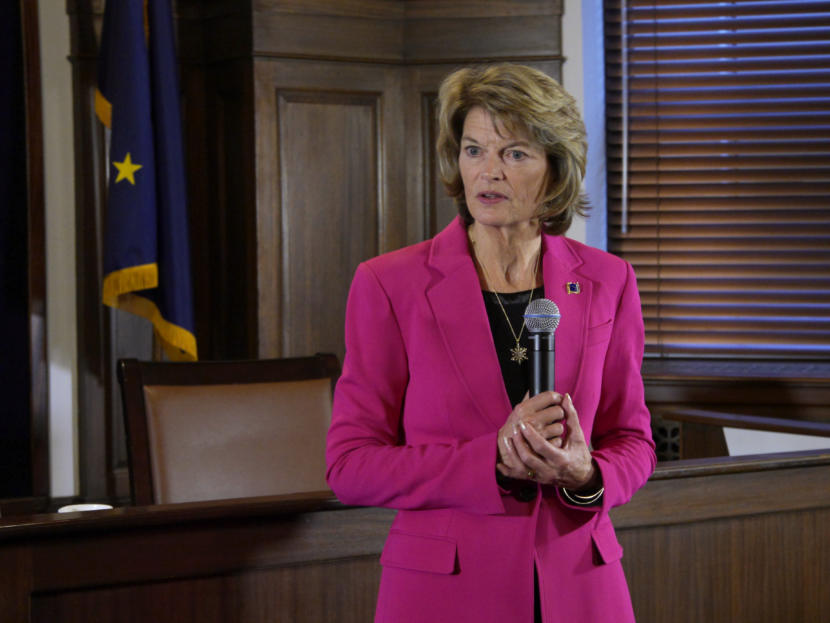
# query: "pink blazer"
414, 425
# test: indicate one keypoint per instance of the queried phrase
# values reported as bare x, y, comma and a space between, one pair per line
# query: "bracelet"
582, 500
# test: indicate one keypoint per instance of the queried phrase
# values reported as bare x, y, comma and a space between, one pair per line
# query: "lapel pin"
572, 287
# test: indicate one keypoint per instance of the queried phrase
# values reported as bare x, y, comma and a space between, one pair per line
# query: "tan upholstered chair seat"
240, 440
211, 430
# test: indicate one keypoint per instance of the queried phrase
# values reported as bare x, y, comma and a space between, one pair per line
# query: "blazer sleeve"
623, 446
368, 460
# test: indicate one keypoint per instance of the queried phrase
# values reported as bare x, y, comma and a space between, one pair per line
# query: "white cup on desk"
73, 508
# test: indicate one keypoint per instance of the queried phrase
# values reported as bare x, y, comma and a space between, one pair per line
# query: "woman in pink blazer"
503, 498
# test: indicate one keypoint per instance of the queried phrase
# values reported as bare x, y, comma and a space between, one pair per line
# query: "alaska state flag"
146, 248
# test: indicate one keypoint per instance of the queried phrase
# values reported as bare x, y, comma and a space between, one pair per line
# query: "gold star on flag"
126, 169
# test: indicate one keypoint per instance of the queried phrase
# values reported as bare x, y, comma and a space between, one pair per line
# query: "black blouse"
515, 375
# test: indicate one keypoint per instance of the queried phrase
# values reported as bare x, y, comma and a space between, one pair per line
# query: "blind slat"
728, 175
818, 34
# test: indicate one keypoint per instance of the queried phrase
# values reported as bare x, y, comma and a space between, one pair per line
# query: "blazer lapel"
458, 307
572, 294
457, 304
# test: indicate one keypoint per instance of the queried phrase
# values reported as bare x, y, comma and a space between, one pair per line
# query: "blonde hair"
523, 100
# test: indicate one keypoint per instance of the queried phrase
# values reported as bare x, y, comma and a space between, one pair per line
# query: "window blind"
718, 131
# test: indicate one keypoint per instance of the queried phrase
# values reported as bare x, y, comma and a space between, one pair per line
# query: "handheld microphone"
541, 319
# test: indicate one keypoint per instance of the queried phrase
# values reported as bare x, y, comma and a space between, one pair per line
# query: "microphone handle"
541, 362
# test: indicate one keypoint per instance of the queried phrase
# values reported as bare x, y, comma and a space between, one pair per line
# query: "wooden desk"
286, 558
745, 539
733, 540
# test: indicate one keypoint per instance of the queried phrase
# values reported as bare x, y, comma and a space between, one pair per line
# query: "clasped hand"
543, 441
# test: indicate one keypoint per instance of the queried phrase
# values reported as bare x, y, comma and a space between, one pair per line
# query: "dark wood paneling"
741, 540
730, 487
428, 208
267, 559
303, 593
473, 39
230, 247
328, 37
350, 207
731, 569
793, 390
804, 399
471, 31
499, 9
329, 196
698, 440
215, 32
362, 30
16, 578
328, 155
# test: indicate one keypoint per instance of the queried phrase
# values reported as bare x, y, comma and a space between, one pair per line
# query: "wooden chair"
225, 429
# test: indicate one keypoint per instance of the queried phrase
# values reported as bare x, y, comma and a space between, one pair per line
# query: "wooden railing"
691, 401
752, 422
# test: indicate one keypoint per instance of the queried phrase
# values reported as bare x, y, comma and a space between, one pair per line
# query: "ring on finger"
530, 474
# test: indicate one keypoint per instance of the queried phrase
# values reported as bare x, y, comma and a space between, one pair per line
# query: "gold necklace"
518, 353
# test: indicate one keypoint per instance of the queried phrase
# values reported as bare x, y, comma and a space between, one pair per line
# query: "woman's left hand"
564, 461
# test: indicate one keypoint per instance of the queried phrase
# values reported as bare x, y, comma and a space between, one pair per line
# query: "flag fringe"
179, 343
118, 282
103, 109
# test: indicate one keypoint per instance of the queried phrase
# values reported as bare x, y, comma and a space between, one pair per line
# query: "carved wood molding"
403, 32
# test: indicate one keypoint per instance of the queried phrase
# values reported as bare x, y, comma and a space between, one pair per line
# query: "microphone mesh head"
542, 316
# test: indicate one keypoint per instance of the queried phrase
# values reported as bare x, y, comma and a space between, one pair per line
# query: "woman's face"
503, 174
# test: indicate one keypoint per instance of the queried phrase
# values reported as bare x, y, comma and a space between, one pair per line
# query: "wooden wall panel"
391, 56
503, 9
715, 570
295, 593
471, 39
428, 209
439, 208
328, 37
360, 205
329, 193
328, 155
730, 539
471, 31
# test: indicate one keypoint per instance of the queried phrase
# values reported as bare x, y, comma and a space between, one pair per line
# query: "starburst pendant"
518, 354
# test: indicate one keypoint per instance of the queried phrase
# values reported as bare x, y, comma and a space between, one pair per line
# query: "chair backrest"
224, 429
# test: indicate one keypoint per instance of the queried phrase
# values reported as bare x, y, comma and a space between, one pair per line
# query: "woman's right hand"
543, 412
